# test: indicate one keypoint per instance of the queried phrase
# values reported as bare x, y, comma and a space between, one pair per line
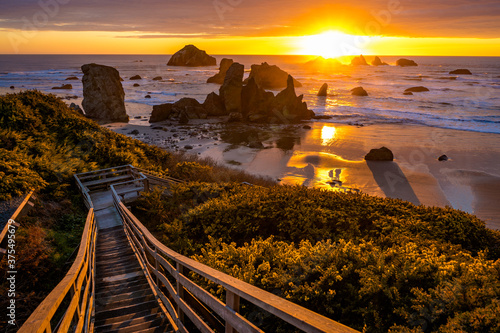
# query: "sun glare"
331, 44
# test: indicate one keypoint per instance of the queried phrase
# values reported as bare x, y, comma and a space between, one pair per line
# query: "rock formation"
323, 91
63, 87
72, 78
270, 77
443, 158
359, 91
136, 77
359, 61
214, 105
416, 89
157, 78
103, 95
76, 108
406, 63
381, 154
255, 102
378, 62
219, 77
161, 112
230, 91
191, 56
291, 107
461, 71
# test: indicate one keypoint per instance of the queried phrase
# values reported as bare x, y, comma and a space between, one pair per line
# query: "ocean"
461, 102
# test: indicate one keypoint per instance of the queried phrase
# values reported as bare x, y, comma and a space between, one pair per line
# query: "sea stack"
323, 91
191, 56
270, 77
218, 78
359, 61
103, 95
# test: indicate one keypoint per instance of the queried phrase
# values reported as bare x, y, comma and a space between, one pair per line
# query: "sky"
384, 27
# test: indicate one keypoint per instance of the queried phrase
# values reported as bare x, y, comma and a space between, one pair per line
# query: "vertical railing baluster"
232, 302
180, 291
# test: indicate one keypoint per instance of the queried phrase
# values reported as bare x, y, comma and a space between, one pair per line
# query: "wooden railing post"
146, 185
180, 291
232, 302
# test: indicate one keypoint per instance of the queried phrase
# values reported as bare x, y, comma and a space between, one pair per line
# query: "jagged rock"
191, 56
381, 154
359, 91
195, 112
76, 108
214, 105
230, 91
443, 158
323, 91
235, 117
417, 89
406, 63
72, 78
157, 78
461, 71
136, 77
359, 61
378, 62
64, 87
103, 95
219, 77
270, 77
291, 107
255, 102
137, 85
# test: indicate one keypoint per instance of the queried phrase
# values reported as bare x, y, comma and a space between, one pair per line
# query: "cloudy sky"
24, 24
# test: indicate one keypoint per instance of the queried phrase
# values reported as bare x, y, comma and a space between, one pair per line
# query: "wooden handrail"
79, 283
146, 245
15, 215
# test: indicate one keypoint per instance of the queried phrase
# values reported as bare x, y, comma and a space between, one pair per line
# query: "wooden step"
128, 317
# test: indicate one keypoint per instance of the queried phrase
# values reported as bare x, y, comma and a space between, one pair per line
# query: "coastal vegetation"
374, 264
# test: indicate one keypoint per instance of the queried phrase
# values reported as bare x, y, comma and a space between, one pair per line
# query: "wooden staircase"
124, 300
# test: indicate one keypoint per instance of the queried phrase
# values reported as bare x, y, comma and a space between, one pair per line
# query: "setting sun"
332, 44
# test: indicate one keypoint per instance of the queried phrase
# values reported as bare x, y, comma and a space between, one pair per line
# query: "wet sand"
469, 180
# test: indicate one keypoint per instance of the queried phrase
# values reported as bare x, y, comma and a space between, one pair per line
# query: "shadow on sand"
392, 181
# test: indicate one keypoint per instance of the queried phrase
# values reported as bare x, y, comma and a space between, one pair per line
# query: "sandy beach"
292, 154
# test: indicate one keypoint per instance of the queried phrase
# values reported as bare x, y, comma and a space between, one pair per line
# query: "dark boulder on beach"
137, 85
461, 71
381, 154
443, 158
406, 63
63, 87
230, 91
103, 95
378, 62
323, 91
417, 89
136, 77
219, 77
270, 77
191, 56
359, 91
72, 78
359, 61
408, 93
147, 96
157, 78
12, 87
214, 105
161, 112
